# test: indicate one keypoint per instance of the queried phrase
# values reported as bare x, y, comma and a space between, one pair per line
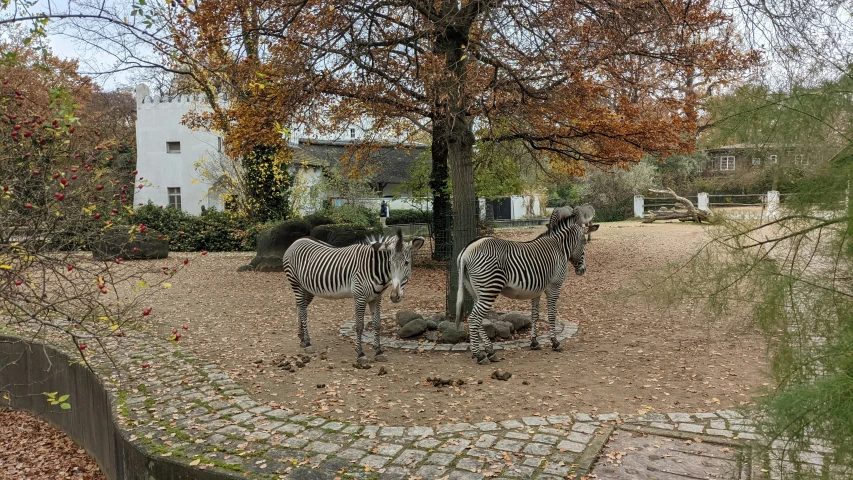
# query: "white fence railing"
769, 203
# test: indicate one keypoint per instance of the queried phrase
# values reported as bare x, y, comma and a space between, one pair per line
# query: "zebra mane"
562, 224
380, 239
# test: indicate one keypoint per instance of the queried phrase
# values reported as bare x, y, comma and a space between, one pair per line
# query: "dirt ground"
31, 449
631, 354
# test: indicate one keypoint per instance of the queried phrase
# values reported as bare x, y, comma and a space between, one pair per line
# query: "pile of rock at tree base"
439, 329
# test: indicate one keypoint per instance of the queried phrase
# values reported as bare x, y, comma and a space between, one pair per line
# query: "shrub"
317, 219
353, 214
213, 230
405, 216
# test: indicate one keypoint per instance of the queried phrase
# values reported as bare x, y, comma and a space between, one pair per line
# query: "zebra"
491, 266
585, 213
361, 272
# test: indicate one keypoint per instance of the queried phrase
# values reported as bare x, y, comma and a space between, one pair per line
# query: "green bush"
317, 219
406, 216
212, 230
353, 214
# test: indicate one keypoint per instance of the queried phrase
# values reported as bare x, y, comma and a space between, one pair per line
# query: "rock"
246, 268
501, 375
115, 244
493, 315
405, 316
503, 329
382, 371
272, 244
413, 328
431, 336
342, 235
517, 320
489, 327
432, 324
451, 334
438, 318
321, 385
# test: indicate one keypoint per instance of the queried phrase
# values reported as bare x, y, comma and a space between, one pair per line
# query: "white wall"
158, 122
526, 206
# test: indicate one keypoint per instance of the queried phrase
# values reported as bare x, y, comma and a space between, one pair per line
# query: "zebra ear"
376, 246
417, 243
399, 240
593, 228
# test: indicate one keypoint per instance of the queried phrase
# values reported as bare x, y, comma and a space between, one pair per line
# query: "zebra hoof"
380, 358
534, 345
556, 347
484, 360
493, 357
309, 349
362, 360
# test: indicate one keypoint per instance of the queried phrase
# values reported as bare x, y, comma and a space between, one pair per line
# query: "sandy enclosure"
631, 354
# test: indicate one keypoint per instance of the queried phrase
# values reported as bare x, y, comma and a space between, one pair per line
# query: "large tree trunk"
460, 144
440, 192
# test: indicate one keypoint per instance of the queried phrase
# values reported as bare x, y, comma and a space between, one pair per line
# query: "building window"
175, 197
774, 159
351, 133
173, 147
756, 161
801, 160
727, 163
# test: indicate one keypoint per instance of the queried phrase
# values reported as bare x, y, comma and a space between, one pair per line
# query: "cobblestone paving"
171, 404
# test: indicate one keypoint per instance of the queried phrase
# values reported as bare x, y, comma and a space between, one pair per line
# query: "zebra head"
401, 264
576, 243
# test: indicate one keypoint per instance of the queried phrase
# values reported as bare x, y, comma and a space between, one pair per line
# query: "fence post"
772, 204
703, 202
638, 206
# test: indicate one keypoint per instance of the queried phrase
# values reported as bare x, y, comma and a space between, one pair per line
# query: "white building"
168, 154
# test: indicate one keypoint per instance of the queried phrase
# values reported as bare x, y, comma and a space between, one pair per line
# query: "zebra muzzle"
396, 297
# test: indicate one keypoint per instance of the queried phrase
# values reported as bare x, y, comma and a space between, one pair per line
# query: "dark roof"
393, 159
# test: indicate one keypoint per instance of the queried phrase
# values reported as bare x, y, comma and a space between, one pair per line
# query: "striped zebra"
361, 272
585, 212
491, 266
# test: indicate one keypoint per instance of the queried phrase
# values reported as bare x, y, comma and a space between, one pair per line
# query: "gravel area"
31, 449
631, 354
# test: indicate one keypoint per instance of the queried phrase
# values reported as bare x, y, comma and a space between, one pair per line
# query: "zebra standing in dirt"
361, 272
491, 266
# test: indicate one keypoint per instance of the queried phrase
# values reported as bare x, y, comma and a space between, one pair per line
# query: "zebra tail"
460, 293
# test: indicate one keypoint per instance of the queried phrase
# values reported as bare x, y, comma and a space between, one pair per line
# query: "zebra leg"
303, 300
553, 294
481, 346
377, 328
534, 317
359, 329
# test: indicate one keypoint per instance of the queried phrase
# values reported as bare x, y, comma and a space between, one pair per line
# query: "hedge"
406, 216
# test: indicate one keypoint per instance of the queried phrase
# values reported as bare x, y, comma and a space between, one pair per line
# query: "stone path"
175, 405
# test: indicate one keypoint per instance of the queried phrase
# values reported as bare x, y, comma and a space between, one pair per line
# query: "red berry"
73, 170
28, 134
119, 260
18, 283
36, 172
28, 205
185, 327
55, 176
73, 177
146, 365
177, 336
17, 127
64, 181
146, 312
142, 228
204, 252
134, 172
71, 130
70, 267
96, 216
99, 188
59, 196
186, 260
82, 347
174, 331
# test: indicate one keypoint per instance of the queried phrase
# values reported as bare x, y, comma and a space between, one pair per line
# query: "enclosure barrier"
769, 203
